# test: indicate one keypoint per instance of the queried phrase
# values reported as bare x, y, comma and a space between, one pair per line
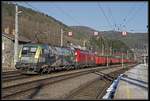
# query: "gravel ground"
95, 90
14, 82
62, 89
91, 92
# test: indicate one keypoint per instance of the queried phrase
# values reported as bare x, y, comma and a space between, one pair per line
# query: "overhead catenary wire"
37, 10
109, 23
34, 8
100, 7
133, 16
130, 17
67, 14
113, 19
61, 10
128, 14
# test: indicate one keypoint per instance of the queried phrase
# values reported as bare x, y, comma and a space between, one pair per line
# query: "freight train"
43, 58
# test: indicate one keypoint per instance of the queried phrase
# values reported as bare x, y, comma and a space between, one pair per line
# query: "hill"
36, 26
42, 28
132, 40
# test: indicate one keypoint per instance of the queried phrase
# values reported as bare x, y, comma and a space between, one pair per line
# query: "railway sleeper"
106, 76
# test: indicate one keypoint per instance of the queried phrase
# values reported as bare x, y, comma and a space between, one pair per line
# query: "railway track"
10, 72
28, 89
13, 90
114, 75
95, 89
14, 77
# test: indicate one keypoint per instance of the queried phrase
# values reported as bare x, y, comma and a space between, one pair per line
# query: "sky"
101, 16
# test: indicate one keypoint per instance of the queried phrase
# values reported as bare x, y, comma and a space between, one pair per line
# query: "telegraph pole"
102, 47
107, 60
110, 50
16, 37
127, 54
103, 50
102, 42
107, 54
61, 44
84, 42
122, 59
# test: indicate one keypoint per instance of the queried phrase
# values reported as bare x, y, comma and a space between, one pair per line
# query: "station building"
8, 40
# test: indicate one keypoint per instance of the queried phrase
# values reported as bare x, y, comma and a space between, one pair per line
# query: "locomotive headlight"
20, 53
35, 60
75, 53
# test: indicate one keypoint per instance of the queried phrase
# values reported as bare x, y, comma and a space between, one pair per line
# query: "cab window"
25, 50
28, 50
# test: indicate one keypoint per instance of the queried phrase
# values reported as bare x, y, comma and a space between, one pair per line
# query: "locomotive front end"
28, 59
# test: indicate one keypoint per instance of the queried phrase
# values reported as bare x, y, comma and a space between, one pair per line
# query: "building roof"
12, 37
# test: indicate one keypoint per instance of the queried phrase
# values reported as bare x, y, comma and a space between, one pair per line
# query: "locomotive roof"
64, 47
33, 44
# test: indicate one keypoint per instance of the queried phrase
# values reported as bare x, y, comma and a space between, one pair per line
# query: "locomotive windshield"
28, 54
29, 50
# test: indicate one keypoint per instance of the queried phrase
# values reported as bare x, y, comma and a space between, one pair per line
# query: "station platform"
134, 84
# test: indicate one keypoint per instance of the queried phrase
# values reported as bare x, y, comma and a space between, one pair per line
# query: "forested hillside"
41, 28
